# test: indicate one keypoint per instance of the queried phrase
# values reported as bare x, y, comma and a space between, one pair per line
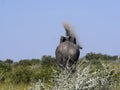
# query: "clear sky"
32, 28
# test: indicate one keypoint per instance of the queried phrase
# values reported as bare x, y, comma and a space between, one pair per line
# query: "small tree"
47, 60
24, 62
8, 61
35, 61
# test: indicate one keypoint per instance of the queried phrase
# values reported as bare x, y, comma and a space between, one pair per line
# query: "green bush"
24, 62
116, 77
47, 61
97, 56
22, 75
4, 67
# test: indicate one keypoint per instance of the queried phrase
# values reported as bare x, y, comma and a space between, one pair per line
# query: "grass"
14, 87
82, 79
89, 75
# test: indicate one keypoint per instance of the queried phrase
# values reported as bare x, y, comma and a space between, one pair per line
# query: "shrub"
4, 70
82, 79
21, 76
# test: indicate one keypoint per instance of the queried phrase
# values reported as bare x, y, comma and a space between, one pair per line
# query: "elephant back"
68, 48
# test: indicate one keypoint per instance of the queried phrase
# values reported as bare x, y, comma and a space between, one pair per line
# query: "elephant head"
67, 52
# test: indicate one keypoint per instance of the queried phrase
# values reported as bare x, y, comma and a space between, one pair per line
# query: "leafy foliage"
43, 73
47, 60
22, 75
8, 61
83, 78
27, 71
99, 56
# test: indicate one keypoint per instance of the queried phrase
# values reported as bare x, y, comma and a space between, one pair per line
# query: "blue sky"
32, 28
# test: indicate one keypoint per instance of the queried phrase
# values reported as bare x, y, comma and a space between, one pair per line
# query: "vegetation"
26, 71
94, 71
94, 56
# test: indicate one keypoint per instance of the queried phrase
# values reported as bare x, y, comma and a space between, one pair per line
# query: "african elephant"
67, 52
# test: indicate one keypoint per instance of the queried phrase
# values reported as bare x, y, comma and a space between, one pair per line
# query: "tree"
8, 61
90, 56
35, 61
94, 56
21, 75
47, 60
24, 62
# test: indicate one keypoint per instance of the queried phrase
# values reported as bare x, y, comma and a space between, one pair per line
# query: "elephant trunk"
69, 31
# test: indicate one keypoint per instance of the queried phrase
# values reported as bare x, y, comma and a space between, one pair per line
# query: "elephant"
67, 52
70, 39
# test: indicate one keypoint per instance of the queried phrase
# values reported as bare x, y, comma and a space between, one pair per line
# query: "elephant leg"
73, 67
71, 64
60, 61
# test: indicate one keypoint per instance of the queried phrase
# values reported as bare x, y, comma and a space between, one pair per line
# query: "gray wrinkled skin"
67, 54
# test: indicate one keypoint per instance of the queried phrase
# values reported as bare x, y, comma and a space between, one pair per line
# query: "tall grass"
83, 79
86, 77
89, 75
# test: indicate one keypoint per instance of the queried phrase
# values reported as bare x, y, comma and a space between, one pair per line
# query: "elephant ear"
62, 39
